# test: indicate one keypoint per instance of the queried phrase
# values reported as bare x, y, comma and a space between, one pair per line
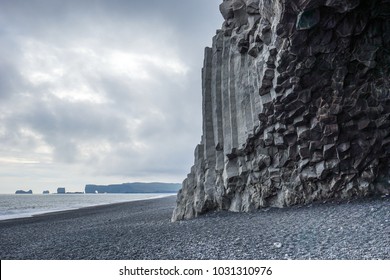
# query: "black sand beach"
359, 229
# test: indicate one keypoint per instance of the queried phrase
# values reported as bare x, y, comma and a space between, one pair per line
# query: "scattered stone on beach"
278, 245
142, 230
296, 107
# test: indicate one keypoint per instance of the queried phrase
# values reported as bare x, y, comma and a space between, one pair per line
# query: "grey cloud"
8, 80
64, 124
141, 128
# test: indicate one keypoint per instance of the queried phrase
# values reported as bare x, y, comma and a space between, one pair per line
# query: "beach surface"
359, 229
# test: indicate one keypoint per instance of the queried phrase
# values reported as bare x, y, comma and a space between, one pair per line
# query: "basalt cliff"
296, 106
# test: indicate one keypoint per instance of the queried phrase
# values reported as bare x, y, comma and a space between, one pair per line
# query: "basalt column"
296, 106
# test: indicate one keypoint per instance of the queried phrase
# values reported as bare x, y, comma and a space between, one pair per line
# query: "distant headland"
134, 188
137, 187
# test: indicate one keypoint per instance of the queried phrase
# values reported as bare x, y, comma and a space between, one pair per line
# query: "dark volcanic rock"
296, 105
141, 230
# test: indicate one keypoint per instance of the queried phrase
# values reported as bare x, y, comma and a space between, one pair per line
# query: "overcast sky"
98, 91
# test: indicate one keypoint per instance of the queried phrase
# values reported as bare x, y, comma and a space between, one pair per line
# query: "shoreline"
142, 229
53, 211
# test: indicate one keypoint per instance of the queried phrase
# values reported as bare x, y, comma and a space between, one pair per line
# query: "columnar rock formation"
296, 106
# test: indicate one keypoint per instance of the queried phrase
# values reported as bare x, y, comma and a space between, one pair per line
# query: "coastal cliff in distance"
296, 106
134, 188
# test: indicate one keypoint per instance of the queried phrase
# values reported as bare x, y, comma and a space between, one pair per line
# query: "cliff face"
296, 106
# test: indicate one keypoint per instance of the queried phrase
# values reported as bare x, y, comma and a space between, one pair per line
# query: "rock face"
296, 106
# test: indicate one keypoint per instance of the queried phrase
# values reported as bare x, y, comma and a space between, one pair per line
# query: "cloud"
100, 90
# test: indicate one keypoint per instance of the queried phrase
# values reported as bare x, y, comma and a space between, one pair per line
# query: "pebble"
278, 245
141, 230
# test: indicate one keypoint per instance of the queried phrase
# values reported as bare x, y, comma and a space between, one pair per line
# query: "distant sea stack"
24, 192
134, 188
296, 106
61, 191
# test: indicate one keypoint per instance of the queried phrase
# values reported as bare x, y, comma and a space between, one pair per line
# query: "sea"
13, 206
